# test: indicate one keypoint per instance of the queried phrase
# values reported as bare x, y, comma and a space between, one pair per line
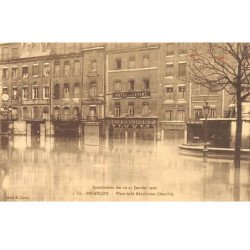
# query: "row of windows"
35, 70
25, 92
37, 112
179, 116
198, 112
182, 69
66, 90
182, 48
132, 62
181, 92
131, 109
131, 85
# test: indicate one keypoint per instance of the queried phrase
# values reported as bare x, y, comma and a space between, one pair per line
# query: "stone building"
175, 93
132, 90
26, 87
120, 90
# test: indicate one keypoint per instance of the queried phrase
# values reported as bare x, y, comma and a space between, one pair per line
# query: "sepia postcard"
124, 121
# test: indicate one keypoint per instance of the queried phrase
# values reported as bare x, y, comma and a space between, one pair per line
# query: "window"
24, 112
25, 93
146, 83
76, 111
76, 90
181, 115
35, 70
92, 111
118, 86
5, 90
132, 62
93, 65
182, 48
66, 110
57, 69
35, 92
14, 113
46, 92
14, 72
169, 70
66, 68
46, 113
131, 109
170, 49
44, 46
56, 91
145, 109
92, 88
198, 112
66, 90
181, 92
56, 112
182, 69
14, 93
146, 61
25, 72
46, 69
35, 112
169, 115
118, 63
117, 109
169, 92
5, 73
212, 112
77, 68
131, 85
14, 52
5, 52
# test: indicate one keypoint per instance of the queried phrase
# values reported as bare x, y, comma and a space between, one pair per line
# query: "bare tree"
224, 66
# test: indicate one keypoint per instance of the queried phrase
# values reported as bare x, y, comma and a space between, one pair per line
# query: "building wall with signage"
132, 82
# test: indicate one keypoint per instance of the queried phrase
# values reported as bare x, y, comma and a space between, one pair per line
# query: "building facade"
132, 90
175, 93
117, 90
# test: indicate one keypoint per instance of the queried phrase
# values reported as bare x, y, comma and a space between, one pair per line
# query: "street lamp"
206, 109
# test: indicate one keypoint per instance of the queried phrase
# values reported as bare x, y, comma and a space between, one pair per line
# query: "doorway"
35, 129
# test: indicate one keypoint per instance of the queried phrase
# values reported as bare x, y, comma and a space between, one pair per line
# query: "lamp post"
206, 109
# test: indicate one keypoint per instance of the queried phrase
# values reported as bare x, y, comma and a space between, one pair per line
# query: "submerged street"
72, 169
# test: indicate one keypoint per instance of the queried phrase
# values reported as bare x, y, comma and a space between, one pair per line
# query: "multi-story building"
122, 90
175, 93
132, 90
93, 89
26, 86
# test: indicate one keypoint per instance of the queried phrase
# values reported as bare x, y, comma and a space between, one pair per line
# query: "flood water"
72, 169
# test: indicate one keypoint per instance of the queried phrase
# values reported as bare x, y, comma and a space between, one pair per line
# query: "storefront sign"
173, 125
132, 121
205, 98
175, 105
132, 94
92, 102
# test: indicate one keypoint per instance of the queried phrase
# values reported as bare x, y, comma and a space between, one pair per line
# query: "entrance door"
35, 129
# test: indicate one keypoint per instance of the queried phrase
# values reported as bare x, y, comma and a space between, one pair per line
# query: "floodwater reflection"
72, 169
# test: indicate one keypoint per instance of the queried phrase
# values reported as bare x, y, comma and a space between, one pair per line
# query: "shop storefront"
131, 128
